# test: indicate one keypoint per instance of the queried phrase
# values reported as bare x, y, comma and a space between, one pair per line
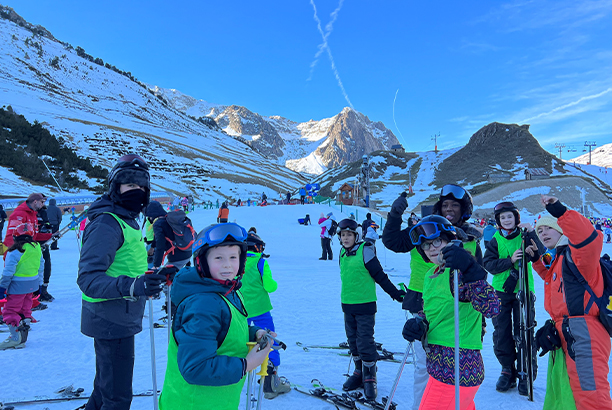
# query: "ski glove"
169, 271
547, 338
415, 329
398, 295
149, 285
456, 257
413, 301
399, 205
2, 293
510, 283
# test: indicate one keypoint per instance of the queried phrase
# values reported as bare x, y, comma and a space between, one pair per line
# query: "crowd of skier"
217, 284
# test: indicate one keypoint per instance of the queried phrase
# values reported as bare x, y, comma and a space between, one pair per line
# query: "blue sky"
457, 65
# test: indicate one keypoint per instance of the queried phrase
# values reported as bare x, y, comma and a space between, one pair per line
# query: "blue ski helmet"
224, 234
431, 227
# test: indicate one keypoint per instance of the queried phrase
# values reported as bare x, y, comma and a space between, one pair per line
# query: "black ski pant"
360, 335
54, 228
327, 250
47, 257
506, 328
114, 370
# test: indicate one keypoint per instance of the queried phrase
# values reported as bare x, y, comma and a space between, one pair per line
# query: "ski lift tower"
560, 148
366, 167
590, 144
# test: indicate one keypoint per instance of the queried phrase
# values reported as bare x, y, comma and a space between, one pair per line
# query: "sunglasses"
435, 243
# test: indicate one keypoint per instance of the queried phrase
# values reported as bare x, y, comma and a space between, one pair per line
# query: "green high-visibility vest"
130, 259
418, 269
256, 299
358, 286
178, 394
439, 309
505, 249
29, 263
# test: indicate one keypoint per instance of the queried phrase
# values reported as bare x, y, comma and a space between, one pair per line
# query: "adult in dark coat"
55, 219
44, 234
163, 237
366, 223
111, 276
3, 217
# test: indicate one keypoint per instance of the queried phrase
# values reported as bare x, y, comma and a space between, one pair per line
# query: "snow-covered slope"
103, 115
600, 156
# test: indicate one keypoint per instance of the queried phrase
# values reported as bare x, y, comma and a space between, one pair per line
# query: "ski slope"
306, 309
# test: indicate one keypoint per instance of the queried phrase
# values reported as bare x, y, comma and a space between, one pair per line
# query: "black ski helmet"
459, 194
225, 234
431, 227
506, 207
349, 225
130, 168
255, 243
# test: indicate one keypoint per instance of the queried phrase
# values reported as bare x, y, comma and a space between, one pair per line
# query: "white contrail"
588, 97
328, 30
396, 127
329, 54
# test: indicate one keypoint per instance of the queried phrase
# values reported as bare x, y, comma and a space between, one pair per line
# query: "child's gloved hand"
399, 295
169, 271
547, 338
414, 329
456, 257
399, 205
257, 356
510, 283
2, 293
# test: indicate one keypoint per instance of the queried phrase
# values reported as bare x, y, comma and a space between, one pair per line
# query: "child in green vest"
501, 259
208, 355
360, 271
435, 326
22, 275
257, 284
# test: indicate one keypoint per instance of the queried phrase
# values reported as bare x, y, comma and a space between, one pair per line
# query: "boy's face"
223, 262
347, 238
548, 236
506, 219
434, 246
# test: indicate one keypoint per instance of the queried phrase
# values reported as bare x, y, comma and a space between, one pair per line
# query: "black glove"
2, 293
149, 285
413, 301
510, 283
455, 257
547, 338
169, 271
414, 329
399, 205
37, 292
398, 295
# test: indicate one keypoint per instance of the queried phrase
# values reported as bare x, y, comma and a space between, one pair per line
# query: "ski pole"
152, 337
456, 290
251, 381
399, 375
263, 372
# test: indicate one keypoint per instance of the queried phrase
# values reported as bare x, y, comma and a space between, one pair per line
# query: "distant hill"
600, 156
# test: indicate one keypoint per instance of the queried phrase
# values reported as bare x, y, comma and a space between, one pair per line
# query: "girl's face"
347, 238
432, 248
506, 219
223, 262
548, 236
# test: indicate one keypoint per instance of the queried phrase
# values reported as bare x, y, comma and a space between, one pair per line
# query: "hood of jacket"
52, 202
104, 204
155, 210
188, 282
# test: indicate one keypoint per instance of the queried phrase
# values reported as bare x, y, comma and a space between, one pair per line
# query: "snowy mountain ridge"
600, 156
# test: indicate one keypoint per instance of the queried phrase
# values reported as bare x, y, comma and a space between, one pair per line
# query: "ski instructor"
111, 276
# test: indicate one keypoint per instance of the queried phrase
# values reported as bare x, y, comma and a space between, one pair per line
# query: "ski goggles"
219, 233
427, 230
503, 205
453, 190
347, 224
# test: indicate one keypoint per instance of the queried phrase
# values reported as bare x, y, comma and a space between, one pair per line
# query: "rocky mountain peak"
8, 13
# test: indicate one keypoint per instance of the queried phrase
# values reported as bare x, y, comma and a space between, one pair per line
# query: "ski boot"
369, 380
355, 380
274, 385
507, 380
44, 295
522, 386
17, 337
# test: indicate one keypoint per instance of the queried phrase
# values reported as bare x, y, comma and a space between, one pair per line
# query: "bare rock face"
8, 13
251, 126
351, 136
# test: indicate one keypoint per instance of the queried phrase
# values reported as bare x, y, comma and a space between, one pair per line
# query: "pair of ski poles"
152, 335
263, 372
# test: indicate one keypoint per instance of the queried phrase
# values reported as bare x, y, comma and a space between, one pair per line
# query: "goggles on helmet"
347, 224
504, 205
427, 230
453, 190
219, 233
128, 161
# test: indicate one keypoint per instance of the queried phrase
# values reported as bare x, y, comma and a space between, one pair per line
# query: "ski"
327, 395
385, 356
10, 405
526, 365
72, 224
339, 346
358, 397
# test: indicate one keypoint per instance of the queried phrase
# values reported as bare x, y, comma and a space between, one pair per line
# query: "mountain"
102, 112
496, 148
600, 156
309, 147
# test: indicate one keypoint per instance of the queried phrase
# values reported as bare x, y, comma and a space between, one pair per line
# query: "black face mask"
133, 200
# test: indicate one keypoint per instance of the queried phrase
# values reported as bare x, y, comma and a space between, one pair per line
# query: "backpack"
184, 234
604, 303
334, 228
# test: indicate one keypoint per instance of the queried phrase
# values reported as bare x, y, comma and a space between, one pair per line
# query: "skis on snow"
384, 354
346, 400
526, 363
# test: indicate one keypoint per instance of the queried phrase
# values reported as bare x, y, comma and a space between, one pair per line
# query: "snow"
306, 309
